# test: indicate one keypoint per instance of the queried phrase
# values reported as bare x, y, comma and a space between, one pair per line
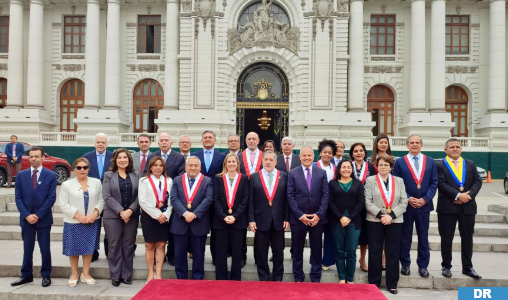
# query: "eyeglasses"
80, 167
233, 141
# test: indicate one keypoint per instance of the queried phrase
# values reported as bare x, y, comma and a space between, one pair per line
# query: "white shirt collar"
38, 169
162, 153
266, 173
286, 156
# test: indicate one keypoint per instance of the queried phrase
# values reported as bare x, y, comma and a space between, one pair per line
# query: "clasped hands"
386, 219
229, 220
32, 219
189, 217
344, 221
126, 215
162, 219
463, 198
310, 220
84, 219
253, 226
416, 202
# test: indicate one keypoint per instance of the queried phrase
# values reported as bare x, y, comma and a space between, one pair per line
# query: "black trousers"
446, 224
262, 241
228, 238
390, 236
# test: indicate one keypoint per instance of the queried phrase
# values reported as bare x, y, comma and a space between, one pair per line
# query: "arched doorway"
381, 104
148, 100
3, 92
456, 104
263, 103
72, 98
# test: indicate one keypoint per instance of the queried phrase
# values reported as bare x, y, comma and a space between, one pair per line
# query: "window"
457, 34
148, 100
75, 34
456, 104
3, 92
149, 34
4, 34
72, 97
380, 103
382, 34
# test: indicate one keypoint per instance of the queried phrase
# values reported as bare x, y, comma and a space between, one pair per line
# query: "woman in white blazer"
153, 197
81, 202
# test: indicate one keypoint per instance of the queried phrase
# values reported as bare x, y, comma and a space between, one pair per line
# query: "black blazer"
259, 209
175, 163
220, 202
242, 166
448, 189
281, 164
339, 201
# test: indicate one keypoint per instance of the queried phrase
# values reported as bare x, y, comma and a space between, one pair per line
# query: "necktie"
270, 180
308, 178
143, 162
14, 149
165, 157
185, 157
100, 165
252, 158
34, 178
207, 160
287, 163
192, 182
456, 163
417, 163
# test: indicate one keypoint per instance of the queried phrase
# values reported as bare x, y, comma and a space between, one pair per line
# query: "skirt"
81, 239
153, 231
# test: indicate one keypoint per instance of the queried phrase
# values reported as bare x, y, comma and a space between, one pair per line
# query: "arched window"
72, 97
456, 104
3, 92
148, 99
276, 10
381, 104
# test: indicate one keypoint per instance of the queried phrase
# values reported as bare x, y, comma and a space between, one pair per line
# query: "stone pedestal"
430, 125
101, 120
25, 123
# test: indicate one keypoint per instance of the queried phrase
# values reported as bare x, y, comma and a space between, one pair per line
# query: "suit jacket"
136, 161
374, 202
242, 166
113, 197
175, 163
259, 209
448, 189
220, 202
38, 201
71, 199
215, 164
354, 199
148, 201
302, 201
200, 205
281, 164
20, 149
428, 186
94, 169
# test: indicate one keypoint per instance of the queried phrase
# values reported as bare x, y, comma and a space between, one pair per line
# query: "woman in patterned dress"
81, 202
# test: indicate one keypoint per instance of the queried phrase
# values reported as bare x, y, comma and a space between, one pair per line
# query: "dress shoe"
447, 273
46, 281
423, 272
126, 281
393, 291
115, 283
325, 268
171, 261
244, 262
23, 280
405, 271
383, 268
271, 258
471, 273
95, 255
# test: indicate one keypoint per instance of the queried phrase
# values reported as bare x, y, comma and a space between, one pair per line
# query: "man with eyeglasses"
185, 145
233, 144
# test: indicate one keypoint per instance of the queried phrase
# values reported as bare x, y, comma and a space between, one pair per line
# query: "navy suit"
302, 201
190, 235
419, 216
94, 169
38, 201
175, 163
20, 149
281, 164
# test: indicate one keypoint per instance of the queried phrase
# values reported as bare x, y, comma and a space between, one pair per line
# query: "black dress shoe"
95, 255
447, 273
126, 281
383, 268
115, 283
46, 281
244, 262
23, 280
405, 271
423, 272
271, 258
471, 273
393, 291
171, 261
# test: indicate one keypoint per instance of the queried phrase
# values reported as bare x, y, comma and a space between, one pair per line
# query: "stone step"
5, 199
499, 208
480, 244
492, 266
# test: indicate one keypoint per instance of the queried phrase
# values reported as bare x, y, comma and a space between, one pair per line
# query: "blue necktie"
192, 182
100, 165
165, 156
417, 163
207, 159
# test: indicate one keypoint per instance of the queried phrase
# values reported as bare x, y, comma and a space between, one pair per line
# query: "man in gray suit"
140, 159
184, 143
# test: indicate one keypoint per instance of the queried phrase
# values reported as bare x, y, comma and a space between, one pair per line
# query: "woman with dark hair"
121, 215
269, 145
346, 201
362, 170
380, 147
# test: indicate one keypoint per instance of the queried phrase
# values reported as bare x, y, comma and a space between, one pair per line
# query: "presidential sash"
277, 177
231, 193
190, 193
246, 164
456, 174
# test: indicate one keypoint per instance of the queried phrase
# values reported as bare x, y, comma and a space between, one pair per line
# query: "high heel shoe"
366, 269
88, 281
73, 283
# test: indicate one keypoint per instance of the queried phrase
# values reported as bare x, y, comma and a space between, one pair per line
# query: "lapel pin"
39, 182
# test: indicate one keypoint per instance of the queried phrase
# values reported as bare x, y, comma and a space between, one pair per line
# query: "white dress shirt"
266, 177
337, 160
103, 158
168, 153
252, 168
141, 156
290, 159
305, 171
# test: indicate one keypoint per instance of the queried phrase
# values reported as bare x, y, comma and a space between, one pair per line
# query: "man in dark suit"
14, 152
100, 160
140, 159
340, 152
268, 216
420, 178
456, 202
287, 161
175, 166
233, 144
308, 202
191, 197
185, 144
35, 197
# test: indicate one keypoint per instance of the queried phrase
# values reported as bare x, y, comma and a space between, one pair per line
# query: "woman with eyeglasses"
81, 202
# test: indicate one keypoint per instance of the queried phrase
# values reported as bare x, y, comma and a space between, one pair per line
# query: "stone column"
437, 56
92, 79
417, 79
171, 67
112, 100
35, 78
497, 57
15, 62
355, 68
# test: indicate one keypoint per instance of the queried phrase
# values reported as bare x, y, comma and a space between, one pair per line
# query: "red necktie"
143, 162
287, 163
34, 178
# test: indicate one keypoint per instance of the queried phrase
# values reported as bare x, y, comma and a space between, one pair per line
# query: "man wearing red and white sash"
420, 179
268, 216
191, 198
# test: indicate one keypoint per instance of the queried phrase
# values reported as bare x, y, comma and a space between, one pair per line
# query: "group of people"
179, 198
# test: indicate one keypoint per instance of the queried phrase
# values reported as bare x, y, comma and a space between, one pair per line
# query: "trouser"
328, 248
421, 221
446, 224
262, 240
185, 242
228, 238
122, 239
11, 166
28, 235
298, 234
390, 237
346, 242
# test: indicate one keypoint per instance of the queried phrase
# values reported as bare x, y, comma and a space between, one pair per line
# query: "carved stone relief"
147, 68
131, 25
4, 56
3, 67
73, 57
381, 58
457, 58
72, 68
204, 9
383, 69
56, 24
149, 57
461, 69
342, 5
186, 5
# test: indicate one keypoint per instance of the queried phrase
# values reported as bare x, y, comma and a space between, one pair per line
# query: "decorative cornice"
461, 69
457, 58
383, 69
382, 58
149, 57
56, 24
73, 68
73, 57
147, 68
